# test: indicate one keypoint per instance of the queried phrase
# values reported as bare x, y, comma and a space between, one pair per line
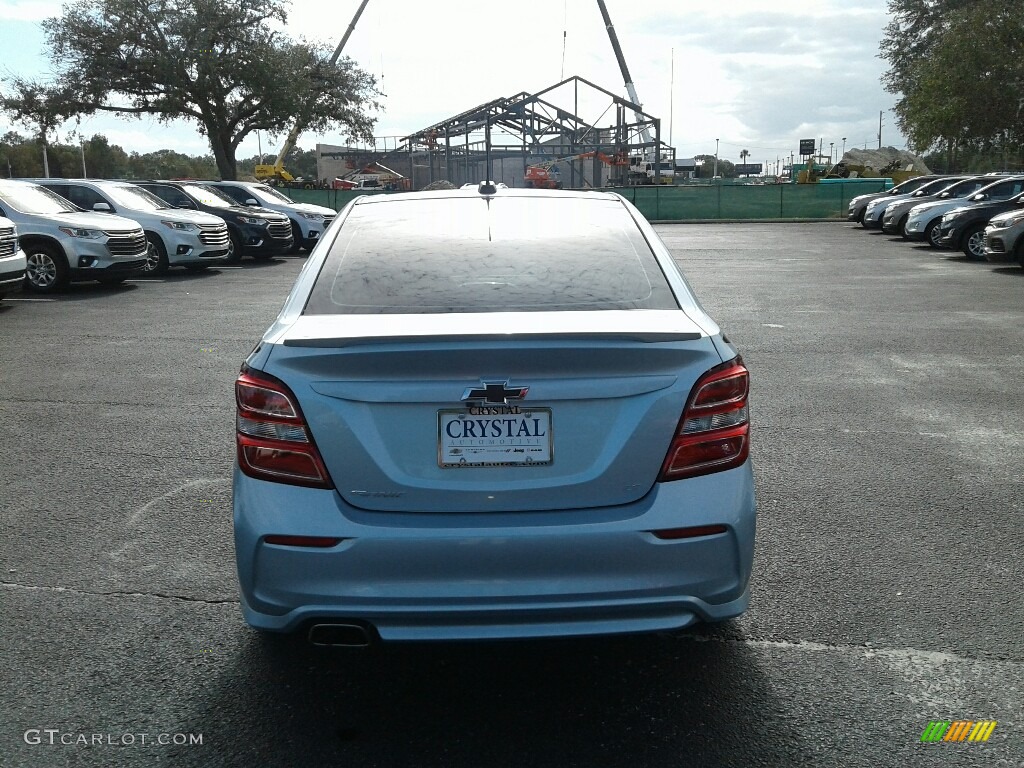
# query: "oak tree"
958, 69
227, 65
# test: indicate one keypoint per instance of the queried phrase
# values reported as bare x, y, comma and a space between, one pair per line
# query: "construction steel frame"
533, 127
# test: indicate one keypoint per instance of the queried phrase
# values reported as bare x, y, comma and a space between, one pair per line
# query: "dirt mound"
888, 158
434, 185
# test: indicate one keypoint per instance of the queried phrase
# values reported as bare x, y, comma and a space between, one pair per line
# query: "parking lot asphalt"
888, 449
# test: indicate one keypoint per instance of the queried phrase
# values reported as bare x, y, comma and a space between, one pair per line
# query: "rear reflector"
303, 541
690, 533
714, 431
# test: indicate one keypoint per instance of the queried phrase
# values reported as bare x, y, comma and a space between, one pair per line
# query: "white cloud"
30, 10
750, 74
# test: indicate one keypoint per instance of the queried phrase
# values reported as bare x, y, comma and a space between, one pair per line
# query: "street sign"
807, 146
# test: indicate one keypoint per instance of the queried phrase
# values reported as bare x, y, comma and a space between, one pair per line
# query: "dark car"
964, 228
894, 222
859, 204
874, 214
255, 232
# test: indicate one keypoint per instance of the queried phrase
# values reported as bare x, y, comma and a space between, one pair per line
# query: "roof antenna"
565, 24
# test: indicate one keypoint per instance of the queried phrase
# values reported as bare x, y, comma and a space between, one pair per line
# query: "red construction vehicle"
547, 176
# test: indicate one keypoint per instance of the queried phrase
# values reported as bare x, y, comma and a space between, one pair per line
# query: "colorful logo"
958, 730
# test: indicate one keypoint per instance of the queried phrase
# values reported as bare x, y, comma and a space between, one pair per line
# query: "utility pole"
671, 88
715, 174
81, 144
844, 146
880, 130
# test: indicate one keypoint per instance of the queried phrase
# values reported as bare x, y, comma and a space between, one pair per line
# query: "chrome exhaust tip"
340, 635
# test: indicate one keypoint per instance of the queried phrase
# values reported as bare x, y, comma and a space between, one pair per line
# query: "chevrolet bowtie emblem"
494, 393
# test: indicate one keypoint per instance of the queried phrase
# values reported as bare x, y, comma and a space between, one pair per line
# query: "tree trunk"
224, 154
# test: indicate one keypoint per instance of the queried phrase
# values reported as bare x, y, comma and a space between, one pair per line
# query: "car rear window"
505, 254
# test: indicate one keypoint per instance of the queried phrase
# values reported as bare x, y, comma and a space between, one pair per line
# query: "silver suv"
64, 243
309, 222
12, 259
190, 239
1004, 238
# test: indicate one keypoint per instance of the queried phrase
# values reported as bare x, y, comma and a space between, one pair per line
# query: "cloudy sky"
755, 75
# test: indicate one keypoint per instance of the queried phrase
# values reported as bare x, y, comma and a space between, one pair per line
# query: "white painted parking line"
144, 280
230, 267
11, 299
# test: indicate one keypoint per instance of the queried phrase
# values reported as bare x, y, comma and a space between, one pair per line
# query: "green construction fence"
698, 202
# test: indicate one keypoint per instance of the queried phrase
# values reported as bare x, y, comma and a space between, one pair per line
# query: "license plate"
494, 436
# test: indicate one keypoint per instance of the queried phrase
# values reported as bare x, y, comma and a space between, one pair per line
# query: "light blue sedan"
492, 413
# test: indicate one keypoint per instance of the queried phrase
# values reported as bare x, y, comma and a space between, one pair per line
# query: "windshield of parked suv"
511, 254
134, 198
962, 189
1001, 190
273, 194
209, 196
33, 199
934, 187
907, 186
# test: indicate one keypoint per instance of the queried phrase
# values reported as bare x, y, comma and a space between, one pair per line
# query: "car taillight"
714, 433
273, 438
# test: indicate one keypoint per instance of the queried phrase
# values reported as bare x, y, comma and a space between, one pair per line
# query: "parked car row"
55, 231
983, 216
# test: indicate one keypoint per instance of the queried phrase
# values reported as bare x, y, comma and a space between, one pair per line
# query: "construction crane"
650, 167
630, 88
276, 173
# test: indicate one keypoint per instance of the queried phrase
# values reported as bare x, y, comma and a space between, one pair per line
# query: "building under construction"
571, 134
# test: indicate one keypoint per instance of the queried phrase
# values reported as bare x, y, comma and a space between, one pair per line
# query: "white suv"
190, 239
64, 243
308, 221
12, 259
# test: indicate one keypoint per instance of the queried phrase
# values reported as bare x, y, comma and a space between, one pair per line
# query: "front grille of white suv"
214, 234
127, 243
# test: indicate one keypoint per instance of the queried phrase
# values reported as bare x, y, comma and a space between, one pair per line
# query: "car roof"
467, 194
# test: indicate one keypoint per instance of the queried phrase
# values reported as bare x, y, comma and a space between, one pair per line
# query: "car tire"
156, 256
901, 228
1019, 251
931, 233
296, 238
974, 243
860, 216
234, 247
46, 269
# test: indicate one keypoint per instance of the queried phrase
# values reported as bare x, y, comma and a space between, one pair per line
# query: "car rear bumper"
511, 575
